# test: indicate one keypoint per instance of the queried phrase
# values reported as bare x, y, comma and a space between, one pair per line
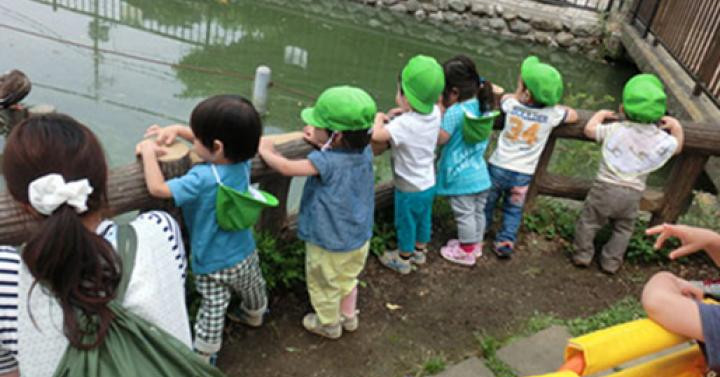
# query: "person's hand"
149, 146
392, 113
692, 239
267, 146
381, 118
689, 290
163, 135
669, 123
605, 115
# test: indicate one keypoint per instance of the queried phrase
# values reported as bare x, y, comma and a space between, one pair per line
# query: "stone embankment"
577, 30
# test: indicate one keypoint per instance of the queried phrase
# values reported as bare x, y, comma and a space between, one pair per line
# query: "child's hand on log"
607, 115
267, 146
149, 147
163, 135
669, 123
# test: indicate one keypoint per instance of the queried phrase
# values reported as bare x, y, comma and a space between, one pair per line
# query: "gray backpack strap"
126, 248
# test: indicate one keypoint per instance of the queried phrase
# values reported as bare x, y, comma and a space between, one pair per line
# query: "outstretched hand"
692, 240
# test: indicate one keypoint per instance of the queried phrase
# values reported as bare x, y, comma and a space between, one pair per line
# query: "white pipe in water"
263, 74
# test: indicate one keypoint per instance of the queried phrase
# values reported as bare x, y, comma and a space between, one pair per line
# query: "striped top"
159, 268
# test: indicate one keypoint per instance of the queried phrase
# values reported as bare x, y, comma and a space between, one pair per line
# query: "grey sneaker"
312, 324
392, 260
252, 318
350, 324
419, 256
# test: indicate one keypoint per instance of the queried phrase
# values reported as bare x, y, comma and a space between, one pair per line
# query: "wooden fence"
690, 32
127, 190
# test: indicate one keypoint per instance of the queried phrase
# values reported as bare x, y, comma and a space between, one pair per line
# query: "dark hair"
231, 119
461, 74
355, 139
79, 267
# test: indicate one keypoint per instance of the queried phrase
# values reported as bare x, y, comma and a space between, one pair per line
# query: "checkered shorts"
246, 280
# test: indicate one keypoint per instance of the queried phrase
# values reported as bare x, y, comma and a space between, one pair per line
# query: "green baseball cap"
341, 108
422, 81
542, 80
644, 98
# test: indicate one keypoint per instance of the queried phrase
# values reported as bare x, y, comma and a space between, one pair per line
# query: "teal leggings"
413, 218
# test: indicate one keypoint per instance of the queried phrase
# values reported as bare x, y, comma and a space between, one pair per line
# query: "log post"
678, 192
540, 172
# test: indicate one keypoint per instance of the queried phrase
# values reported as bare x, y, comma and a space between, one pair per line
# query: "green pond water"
122, 65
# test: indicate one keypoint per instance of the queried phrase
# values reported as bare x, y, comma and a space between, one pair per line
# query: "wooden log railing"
127, 190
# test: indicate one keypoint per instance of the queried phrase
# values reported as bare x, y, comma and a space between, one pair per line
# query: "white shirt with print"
413, 137
523, 138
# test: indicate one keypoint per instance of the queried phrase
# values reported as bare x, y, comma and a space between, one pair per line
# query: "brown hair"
79, 267
461, 75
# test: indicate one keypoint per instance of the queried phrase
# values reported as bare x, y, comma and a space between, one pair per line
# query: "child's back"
413, 139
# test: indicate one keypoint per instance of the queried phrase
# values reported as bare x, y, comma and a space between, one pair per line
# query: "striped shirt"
10, 266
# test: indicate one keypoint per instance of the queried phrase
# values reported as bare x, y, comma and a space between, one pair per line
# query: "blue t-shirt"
462, 169
336, 212
212, 249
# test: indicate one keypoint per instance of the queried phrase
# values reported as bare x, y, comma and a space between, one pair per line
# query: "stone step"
472, 367
537, 354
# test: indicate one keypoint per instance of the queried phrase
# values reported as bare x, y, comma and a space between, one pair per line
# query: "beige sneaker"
312, 324
350, 324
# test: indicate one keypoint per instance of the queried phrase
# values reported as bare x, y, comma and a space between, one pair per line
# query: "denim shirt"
462, 169
213, 249
336, 212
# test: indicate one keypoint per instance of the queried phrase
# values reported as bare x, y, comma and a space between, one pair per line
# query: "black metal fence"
690, 31
595, 5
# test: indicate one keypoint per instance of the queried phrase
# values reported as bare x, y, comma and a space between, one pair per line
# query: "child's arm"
443, 137
596, 120
154, 179
673, 125
692, 239
571, 116
167, 135
669, 302
379, 133
284, 166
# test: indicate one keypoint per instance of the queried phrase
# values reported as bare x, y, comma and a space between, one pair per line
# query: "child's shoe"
478, 250
210, 358
350, 324
252, 318
503, 249
419, 256
393, 261
312, 324
455, 254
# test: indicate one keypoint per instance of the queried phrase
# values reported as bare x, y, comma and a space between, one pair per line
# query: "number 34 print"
518, 131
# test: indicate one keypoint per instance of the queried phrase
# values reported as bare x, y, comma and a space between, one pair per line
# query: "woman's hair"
78, 266
461, 75
231, 119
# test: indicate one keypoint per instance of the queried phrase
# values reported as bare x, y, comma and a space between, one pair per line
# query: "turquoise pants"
413, 218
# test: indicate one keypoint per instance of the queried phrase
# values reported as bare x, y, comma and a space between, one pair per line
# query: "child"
631, 150
338, 201
675, 303
225, 131
413, 136
462, 172
531, 113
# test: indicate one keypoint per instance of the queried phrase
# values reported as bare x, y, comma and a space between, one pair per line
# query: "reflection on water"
121, 65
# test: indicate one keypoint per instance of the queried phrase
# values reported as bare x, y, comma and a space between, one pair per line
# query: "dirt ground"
438, 310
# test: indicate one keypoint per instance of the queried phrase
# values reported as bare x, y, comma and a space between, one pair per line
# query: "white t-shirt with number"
523, 138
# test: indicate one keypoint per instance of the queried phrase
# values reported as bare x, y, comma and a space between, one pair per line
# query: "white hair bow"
50, 191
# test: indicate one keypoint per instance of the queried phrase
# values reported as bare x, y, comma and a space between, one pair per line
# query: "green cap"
542, 80
341, 108
422, 82
644, 98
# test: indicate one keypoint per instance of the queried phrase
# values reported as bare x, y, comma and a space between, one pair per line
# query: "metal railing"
595, 5
690, 32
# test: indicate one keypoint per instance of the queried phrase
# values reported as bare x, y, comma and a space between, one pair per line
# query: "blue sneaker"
503, 249
392, 260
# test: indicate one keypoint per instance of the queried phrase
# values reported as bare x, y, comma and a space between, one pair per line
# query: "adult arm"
666, 302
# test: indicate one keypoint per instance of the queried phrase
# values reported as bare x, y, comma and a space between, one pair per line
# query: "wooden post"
687, 169
274, 220
540, 172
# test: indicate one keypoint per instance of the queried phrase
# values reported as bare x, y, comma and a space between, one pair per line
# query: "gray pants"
469, 213
605, 203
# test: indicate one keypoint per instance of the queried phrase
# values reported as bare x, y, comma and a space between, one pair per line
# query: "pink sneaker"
478, 250
456, 255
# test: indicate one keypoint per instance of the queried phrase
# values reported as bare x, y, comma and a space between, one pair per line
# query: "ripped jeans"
512, 186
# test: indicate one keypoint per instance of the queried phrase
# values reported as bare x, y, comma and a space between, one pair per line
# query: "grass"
625, 310
434, 365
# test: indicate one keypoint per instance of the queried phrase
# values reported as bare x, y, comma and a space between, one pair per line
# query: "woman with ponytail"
462, 171
68, 270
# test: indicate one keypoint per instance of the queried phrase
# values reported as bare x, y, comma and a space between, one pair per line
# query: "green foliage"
489, 346
282, 261
551, 218
625, 310
434, 365
383, 237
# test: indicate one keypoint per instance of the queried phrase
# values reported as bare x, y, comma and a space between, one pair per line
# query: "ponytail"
77, 266
485, 96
